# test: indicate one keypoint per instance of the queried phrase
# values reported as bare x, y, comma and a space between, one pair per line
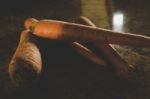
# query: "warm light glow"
118, 21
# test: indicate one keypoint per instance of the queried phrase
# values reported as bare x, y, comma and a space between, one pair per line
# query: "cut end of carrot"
30, 22
23, 73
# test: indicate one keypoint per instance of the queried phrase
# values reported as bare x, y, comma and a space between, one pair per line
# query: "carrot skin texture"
26, 65
60, 30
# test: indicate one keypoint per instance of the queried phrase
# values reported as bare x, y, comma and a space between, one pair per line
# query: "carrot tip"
29, 22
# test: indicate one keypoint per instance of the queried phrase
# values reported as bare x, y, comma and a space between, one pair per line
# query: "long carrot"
60, 30
81, 49
113, 57
26, 64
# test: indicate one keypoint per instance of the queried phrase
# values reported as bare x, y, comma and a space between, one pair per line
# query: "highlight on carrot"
113, 57
59, 30
26, 65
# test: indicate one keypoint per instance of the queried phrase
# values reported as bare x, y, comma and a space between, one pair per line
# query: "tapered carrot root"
59, 30
81, 49
87, 53
26, 64
114, 58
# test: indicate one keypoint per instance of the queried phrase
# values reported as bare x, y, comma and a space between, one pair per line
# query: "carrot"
59, 30
113, 57
87, 53
26, 64
81, 49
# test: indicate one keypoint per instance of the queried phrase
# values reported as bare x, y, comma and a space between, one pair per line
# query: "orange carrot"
26, 64
114, 58
59, 30
87, 53
81, 49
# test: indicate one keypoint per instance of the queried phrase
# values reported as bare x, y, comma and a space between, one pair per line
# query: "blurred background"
83, 80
